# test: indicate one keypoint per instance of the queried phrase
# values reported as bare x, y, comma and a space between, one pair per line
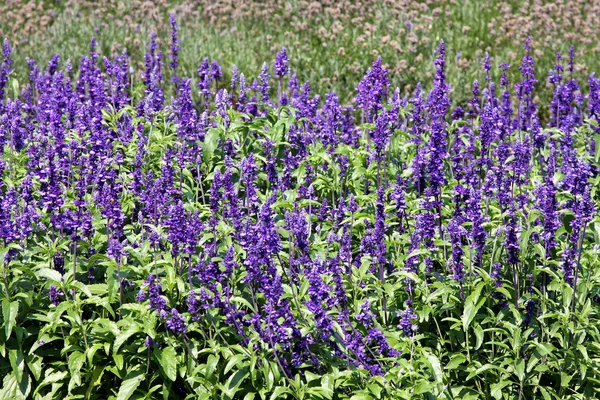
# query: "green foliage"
92, 345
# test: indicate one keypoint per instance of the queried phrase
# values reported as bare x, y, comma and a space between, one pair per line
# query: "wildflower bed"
252, 241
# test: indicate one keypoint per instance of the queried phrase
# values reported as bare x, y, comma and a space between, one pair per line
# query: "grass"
329, 49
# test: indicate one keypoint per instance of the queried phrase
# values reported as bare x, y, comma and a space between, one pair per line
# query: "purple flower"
407, 321
438, 101
382, 133
186, 116
330, 121
141, 296
174, 47
529, 312
59, 263
298, 227
584, 210
5, 68
118, 71
235, 77
55, 294
525, 88
377, 339
474, 103
365, 316
511, 241
372, 90
193, 305
555, 76
262, 85
549, 207
157, 302
438, 104
457, 232
205, 78
280, 66
176, 323
594, 99
475, 215
320, 295
496, 274
216, 71
153, 77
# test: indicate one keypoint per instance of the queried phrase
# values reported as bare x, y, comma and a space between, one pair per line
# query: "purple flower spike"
281, 64
174, 47
176, 323
55, 294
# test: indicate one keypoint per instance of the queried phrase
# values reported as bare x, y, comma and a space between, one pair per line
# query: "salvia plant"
252, 240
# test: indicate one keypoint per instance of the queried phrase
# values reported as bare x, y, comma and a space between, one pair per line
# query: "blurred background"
330, 43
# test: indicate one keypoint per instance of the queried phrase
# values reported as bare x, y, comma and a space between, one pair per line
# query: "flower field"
221, 235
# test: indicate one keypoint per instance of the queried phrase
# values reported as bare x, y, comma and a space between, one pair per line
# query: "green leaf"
82, 288
12, 389
455, 361
91, 352
565, 379
479, 370
310, 376
496, 389
17, 362
472, 305
583, 352
479, 336
233, 361
470, 312
167, 358
279, 391
327, 386
95, 380
362, 397
544, 348
418, 252
211, 140
76, 360
9, 313
130, 384
436, 366
34, 363
98, 288
49, 274
123, 336
54, 377
211, 365
119, 361
422, 386
17, 91
520, 369
25, 385
535, 358
516, 340
234, 382
375, 389
545, 393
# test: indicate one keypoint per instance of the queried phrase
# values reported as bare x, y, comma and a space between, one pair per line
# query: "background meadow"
331, 43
